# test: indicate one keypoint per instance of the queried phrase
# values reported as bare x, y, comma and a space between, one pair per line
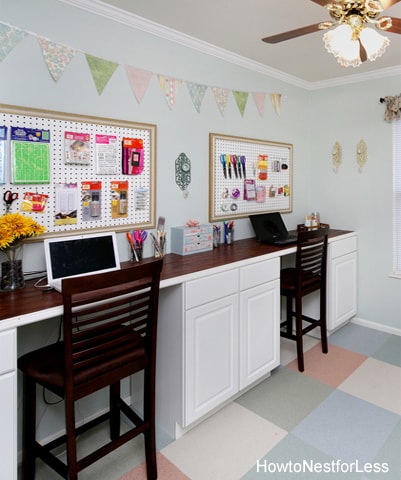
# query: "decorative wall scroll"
337, 156
100, 182
248, 176
361, 154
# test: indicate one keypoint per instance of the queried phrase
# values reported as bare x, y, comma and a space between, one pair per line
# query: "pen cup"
216, 236
228, 233
159, 245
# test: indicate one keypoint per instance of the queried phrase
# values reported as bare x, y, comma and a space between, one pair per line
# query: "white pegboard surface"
278, 184
62, 172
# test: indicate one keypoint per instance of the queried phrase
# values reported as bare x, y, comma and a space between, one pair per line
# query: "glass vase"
12, 275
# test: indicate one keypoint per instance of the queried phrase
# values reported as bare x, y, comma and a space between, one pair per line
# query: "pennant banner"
259, 99
196, 92
169, 87
221, 97
276, 101
241, 98
139, 81
9, 38
101, 70
57, 57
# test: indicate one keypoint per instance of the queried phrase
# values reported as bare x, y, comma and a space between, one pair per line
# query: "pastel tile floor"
339, 419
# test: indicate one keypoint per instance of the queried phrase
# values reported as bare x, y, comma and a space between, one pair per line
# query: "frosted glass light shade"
374, 43
339, 42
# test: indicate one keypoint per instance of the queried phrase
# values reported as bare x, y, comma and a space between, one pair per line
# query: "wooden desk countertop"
29, 299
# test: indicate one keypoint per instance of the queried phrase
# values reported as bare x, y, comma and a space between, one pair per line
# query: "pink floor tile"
331, 368
165, 469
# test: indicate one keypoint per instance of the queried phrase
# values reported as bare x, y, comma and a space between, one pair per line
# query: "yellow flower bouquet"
14, 229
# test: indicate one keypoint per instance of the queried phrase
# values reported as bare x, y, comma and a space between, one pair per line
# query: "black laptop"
269, 228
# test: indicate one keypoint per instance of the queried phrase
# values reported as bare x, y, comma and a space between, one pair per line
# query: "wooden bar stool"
309, 275
109, 327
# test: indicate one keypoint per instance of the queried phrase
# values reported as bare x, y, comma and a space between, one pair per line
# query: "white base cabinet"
230, 340
8, 404
259, 332
211, 356
341, 282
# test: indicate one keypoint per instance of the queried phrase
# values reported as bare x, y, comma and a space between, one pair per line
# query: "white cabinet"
231, 335
8, 404
211, 356
259, 320
342, 278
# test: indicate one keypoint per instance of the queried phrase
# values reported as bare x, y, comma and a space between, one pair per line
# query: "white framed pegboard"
108, 177
248, 176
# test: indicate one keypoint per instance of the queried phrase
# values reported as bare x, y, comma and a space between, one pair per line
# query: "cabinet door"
8, 435
211, 356
259, 331
341, 290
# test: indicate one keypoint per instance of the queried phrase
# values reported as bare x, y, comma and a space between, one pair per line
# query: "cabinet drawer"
258, 273
8, 352
212, 287
342, 247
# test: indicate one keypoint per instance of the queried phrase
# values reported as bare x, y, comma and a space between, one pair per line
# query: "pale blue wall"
312, 120
354, 200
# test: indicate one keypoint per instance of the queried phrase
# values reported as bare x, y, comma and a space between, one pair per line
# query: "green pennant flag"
241, 98
101, 70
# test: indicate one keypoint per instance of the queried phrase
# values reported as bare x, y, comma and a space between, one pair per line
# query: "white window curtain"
397, 197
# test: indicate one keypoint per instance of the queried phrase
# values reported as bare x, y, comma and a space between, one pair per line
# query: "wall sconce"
183, 173
361, 154
337, 156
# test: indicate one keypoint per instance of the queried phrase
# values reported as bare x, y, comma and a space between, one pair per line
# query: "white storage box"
187, 240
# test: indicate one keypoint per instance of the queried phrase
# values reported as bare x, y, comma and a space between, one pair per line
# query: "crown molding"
97, 7
358, 77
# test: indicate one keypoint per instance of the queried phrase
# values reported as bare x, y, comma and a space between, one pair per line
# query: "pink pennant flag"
276, 101
56, 56
259, 99
169, 87
221, 97
139, 80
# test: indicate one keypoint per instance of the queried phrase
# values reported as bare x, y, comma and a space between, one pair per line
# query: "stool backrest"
311, 258
110, 325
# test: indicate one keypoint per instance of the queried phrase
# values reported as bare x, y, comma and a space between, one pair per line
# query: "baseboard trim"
376, 326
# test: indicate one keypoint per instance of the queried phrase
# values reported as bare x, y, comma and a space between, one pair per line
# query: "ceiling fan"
350, 19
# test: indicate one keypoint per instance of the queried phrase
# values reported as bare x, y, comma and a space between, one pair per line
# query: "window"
397, 197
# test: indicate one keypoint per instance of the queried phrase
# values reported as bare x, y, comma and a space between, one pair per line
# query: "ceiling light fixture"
353, 41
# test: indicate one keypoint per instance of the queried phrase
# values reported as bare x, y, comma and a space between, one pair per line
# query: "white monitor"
79, 255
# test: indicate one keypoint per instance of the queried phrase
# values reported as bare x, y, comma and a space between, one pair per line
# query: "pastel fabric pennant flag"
221, 97
169, 87
197, 93
101, 70
241, 98
56, 56
9, 38
139, 80
276, 101
259, 99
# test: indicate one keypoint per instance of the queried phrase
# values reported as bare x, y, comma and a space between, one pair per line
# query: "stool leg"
115, 411
71, 438
149, 417
298, 332
28, 428
323, 322
289, 314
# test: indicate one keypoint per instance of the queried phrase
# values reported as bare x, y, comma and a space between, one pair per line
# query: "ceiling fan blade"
396, 27
322, 3
298, 32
